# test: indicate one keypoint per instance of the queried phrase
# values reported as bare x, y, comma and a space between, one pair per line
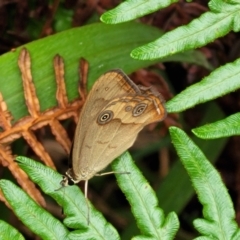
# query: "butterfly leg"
88, 207
107, 173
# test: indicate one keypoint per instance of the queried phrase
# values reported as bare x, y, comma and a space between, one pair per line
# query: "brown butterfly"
115, 111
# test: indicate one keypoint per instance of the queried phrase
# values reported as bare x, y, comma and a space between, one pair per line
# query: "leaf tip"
137, 53
103, 18
195, 132
108, 18
173, 129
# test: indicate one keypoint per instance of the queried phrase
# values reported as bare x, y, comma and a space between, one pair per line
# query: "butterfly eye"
139, 109
105, 117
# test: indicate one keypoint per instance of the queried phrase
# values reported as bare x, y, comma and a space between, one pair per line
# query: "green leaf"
73, 202
150, 218
176, 201
218, 211
170, 192
9, 232
223, 128
236, 235
199, 32
34, 217
221, 81
203, 238
192, 56
105, 47
133, 9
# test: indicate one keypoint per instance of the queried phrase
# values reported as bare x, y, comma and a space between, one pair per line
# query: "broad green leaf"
150, 218
205, 29
73, 202
219, 216
105, 47
132, 9
34, 217
9, 232
221, 81
223, 128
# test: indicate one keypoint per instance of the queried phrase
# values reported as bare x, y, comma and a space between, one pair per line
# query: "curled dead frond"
36, 119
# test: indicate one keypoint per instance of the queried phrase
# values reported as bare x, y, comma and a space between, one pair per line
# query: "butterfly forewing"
110, 85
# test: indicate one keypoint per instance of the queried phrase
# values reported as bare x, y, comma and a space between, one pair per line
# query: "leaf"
221, 81
73, 202
236, 235
150, 218
177, 173
133, 9
223, 128
105, 47
192, 56
218, 211
199, 32
26, 126
9, 232
170, 190
33, 216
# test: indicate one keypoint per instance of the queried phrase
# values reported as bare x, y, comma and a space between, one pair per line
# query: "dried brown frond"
25, 127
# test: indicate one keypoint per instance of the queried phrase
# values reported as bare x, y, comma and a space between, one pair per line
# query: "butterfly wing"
115, 111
